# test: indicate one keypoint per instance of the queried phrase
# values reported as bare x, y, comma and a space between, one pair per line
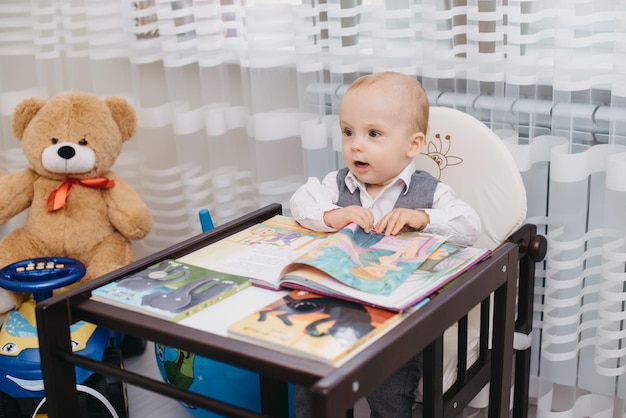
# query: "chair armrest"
530, 243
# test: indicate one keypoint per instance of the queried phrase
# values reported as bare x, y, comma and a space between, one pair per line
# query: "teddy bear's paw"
6, 301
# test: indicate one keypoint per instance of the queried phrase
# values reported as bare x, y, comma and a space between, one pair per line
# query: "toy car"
21, 381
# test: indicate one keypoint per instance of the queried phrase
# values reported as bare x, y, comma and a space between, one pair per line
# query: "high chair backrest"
464, 153
467, 155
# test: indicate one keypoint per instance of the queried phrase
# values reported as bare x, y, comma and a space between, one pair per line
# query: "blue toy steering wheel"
40, 276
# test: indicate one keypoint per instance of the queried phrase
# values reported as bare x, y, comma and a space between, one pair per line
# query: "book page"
260, 252
369, 262
443, 265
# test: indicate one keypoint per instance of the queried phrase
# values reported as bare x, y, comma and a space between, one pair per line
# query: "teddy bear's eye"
55, 141
82, 142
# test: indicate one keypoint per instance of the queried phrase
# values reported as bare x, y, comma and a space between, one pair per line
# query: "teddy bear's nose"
66, 152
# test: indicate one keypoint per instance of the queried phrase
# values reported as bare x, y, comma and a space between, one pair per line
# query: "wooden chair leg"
522, 379
433, 379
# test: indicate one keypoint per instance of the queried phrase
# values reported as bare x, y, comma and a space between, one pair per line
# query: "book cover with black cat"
317, 327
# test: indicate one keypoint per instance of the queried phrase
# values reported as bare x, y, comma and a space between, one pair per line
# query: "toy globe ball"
220, 381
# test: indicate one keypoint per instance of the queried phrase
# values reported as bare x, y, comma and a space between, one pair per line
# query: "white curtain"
237, 103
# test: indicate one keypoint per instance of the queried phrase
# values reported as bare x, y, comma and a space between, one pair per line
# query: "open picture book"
392, 272
443, 266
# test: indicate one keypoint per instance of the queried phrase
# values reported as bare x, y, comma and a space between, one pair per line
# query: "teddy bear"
77, 207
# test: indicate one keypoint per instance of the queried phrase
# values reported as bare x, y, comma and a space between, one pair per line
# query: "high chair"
463, 152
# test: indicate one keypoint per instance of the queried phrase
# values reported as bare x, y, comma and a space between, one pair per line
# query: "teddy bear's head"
73, 135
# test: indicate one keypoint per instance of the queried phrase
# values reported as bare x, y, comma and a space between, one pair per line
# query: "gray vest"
419, 196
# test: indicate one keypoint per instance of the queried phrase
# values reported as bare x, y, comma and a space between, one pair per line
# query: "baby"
383, 119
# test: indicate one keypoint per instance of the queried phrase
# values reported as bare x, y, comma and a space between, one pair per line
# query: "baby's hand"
397, 219
341, 217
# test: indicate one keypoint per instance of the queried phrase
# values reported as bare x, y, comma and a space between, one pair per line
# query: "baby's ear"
417, 142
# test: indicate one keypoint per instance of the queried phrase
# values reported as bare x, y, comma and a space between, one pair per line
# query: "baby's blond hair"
403, 85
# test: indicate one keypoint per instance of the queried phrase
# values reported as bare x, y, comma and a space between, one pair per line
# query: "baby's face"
377, 135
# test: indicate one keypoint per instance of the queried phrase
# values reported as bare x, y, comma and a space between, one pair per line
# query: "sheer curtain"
237, 103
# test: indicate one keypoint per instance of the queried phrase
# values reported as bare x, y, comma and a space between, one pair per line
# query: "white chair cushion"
467, 155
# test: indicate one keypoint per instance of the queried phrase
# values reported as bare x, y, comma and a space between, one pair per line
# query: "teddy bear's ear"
24, 112
124, 115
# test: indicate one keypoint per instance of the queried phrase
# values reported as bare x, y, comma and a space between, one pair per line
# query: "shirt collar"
404, 177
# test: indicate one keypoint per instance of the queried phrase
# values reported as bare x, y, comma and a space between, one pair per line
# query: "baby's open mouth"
360, 164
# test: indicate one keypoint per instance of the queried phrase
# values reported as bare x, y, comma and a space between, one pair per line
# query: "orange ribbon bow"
58, 197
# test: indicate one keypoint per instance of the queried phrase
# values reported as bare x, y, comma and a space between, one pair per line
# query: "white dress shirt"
449, 216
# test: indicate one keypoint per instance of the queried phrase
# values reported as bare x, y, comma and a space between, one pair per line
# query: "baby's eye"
374, 134
347, 132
